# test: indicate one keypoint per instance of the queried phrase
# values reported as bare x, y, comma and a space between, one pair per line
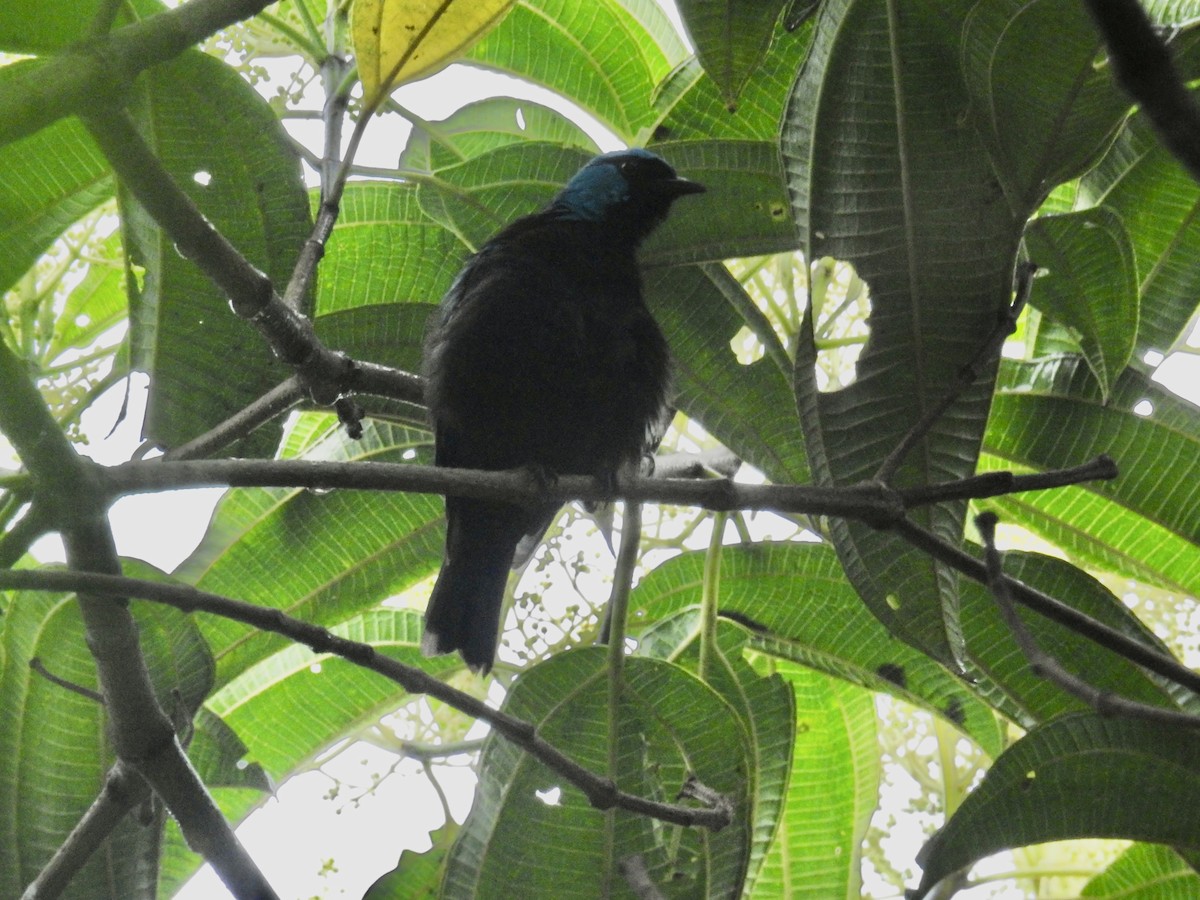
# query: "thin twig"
273, 403
1056, 611
1006, 323
1043, 665
996, 484
600, 791
37, 666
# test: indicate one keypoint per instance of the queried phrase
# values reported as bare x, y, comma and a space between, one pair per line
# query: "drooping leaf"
1145, 872
1146, 523
1159, 204
54, 754
767, 710
1079, 776
884, 175
670, 725
1090, 285
731, 39
1044, 107
396, 41
833, 790
51, 180
799, 606
568, 47
224, 146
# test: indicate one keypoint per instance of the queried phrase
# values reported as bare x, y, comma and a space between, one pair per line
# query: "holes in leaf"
551, 796
520, 118
746, 346
202, 178
841, 304
1143, 407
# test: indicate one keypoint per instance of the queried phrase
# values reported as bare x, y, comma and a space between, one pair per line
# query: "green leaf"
574, 49
883, 174
767, 711
417, 875
1159, 204
1145, 872
693, 108
832, 793
224, 146
795, 599
1079, 776
53, 753
1045, 108
51, 180
1146, 523
479, 127
220, 756
28, 26
1090, 285
731, 39
95, 305
385, 250
1010, 683
324, 558
747, 407
670, 726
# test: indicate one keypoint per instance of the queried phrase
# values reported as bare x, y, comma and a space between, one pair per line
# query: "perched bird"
543, 355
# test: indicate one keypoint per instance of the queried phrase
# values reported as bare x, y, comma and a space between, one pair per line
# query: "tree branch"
600, 791
142, 734
1055, 610
1142, 65
1043, 665
870, 502
73, 80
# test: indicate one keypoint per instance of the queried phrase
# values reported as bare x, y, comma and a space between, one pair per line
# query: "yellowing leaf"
399, 40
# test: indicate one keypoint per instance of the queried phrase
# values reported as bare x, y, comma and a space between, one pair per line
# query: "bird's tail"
464, 608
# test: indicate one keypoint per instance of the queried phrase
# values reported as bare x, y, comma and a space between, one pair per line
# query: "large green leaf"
767, 710
324, 558
832, 794
606, 56
693, 108
54, 752
670, 726
731, 39
1146, 523
1145, 872
1079, 776
1090, 285
28, 26
1159, 204
1042, 105
224, 146
479, 127
385, 250
51, 179
796, 600
1008, 680
884, 174
746, 407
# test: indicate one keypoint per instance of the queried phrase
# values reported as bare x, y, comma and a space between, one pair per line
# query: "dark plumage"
543, 354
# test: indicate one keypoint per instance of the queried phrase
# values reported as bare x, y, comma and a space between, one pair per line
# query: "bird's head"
629, 189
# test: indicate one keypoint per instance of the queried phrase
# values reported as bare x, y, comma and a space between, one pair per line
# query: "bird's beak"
680, 186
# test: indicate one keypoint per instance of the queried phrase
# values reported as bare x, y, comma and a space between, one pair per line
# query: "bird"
543, 356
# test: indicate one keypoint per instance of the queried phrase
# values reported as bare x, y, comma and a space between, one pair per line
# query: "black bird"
543, 355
